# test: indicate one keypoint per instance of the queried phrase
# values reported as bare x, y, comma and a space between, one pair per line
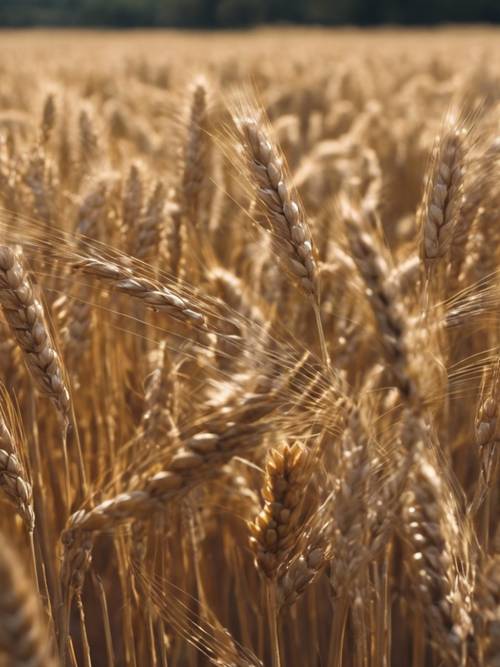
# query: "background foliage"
239, 13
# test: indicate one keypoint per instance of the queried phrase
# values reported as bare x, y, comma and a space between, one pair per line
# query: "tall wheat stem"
336, 648
272, 619
321, 334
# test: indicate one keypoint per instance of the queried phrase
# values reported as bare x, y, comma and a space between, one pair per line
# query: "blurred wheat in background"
249, 317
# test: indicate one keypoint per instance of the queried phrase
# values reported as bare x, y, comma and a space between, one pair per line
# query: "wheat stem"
272, 619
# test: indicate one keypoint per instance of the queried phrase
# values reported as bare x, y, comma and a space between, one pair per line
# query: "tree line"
241, 13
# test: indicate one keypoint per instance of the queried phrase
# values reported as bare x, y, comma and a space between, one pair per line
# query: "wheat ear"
196, 153
443, 196
276, 530
306, 567
89, 141
25, 316
23, 635
78, 312
155, 296
132, 202
432, 531
280, 212
383, 294
487, 442
158, 417
149, 229
48, 117
13, 476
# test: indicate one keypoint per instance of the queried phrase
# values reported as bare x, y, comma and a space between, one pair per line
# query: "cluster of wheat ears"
249, 350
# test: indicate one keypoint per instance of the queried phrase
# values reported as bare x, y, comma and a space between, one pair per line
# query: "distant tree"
332, 12
182, 13
121, 13
285, 10
240, 12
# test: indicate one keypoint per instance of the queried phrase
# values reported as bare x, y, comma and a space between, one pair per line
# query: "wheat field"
250, 363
